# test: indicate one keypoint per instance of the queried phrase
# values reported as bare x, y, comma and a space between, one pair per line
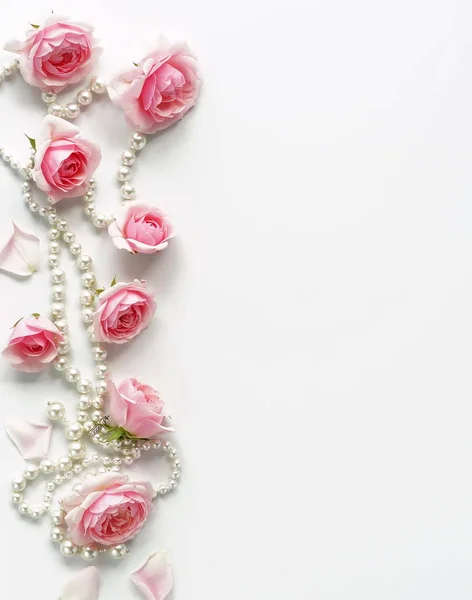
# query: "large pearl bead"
76, 450
128, 158
98, 85
72, 110
84, 402
64, 464
60, 364
84, 97
17, 497
84, 386
89, 553
124, 173
138, 141
31, 471
84, 262
68, 548
72, 375
57, 534
88, 279
87, 298
18, 484
47, 467
119, 551
74, 431
58, 275
36, 512
58, 292
57, 516
99, 353
128, 192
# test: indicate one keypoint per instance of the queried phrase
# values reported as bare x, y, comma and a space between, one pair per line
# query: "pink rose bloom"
137, 408
108, 510
64, 161
58, 54
123, 311
141, 228
159, 91
33, 344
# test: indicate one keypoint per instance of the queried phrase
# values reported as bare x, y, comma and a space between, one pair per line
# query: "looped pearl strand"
84, 97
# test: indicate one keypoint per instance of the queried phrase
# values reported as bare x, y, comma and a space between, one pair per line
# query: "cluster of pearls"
9, 70
84, 97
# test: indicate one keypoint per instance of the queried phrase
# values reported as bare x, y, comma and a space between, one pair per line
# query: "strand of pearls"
72, 109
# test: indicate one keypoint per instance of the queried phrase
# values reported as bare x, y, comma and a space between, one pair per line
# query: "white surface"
313, 337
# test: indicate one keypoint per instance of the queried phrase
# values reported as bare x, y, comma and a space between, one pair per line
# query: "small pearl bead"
128, 157
84, 402
64, 463
89, 209
57, 516
56, 110
99, 353
68, 548
88, 280
101, 371
117, 461
47, 467
128, 461
75, 248
50, 486
87, 315
47, 497
88, 426
62, 225
98, 85
89, 196
58, 479
54, 248
49, 97
60, 364
72, 374
36, 512
98, 402
84, 97
100, 220
58, 275
68, 237
88, 553
53, 219
91, 333
101, 387
175, 474
61, 325
58, 292
43, 211
86, 462
119, 551
72, 110
57, 534
97, 416
172, 484
82, 416
64, 346
84, 262
76, 450
31, 471
84, 386
138, 141
33, 206
163, 490
87, 298
128, 192
77, 469
95, 459
18, 484
74, 431
54, 233
27, 197
23, 509
57, 310
17, 497
124, 173
53, 261
56, 410
25, 187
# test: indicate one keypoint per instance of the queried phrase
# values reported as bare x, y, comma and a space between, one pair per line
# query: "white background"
313, 338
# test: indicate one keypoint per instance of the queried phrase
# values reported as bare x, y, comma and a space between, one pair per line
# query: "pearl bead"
101, 371
175, 474
23, 508
33, 206
84, 262
68, 548
47, 467
49, 97
89, 209
99, 353
17, 497
64, 463
36, 512
56, 410
89, 196
91, 333
98, 403
58, 479
87, 315
61, 324
119, 551
84, 402
75, 248
50, 486
92, 183
88, 280
53, 261
100, 220
117, 461
128, 192
57, 310
76, 450
57, 516
55, 109
124, 173
138, 141
62, 225
18, 484
97, 416
128, 461
72, 110
42, 211
72, 374
82, 416
88, 426
68, 237
101, 387
64, 346
128, 157
77, 469
84, 386
47, 497
58, 292
27, 197
172, 484
88, 553
87, 298
53, 219
60, 364
58, 275
54, 233
54, 248
177, 463
98, 85
74, 431
57, 534
84, 97
163, 490
31, 471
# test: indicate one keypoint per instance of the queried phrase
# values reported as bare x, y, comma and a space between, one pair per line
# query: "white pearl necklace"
89, 416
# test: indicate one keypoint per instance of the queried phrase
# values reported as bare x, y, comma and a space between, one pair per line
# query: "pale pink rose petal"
19, 253
31, 439
84, 585
155, 578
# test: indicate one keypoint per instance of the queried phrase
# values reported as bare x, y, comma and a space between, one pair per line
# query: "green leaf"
136, 64
34, 26
32, 142
99, 291
113, 281
36, 315
115, 433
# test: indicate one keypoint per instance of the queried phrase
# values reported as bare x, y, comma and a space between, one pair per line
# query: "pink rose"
137, 408
64, 161
58, 54
160, 90
141, 228
123, 311
108, 510
33, 344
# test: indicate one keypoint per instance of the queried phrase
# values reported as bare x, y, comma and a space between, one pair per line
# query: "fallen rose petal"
20, 253
31, 439
83, 585
154, 579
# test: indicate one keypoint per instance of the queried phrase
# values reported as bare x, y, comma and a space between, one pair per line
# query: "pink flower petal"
154, 579
19, 254
31, 439
82, 586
